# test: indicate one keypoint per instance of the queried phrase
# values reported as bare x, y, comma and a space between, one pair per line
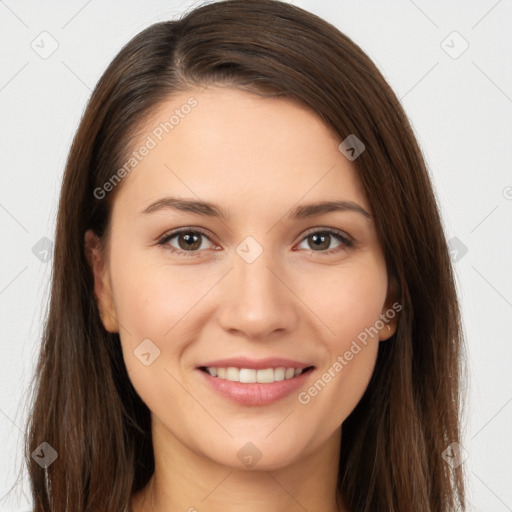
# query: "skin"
256, 158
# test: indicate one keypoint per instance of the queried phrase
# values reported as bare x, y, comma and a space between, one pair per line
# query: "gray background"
460, 105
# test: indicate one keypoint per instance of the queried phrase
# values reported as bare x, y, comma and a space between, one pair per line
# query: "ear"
390, 311
102, 284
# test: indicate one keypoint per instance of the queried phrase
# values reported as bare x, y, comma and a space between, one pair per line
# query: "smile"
251, 375
251, 386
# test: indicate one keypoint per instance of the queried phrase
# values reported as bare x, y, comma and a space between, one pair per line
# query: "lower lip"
255, 393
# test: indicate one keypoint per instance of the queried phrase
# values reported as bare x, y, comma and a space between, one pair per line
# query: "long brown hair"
84, 405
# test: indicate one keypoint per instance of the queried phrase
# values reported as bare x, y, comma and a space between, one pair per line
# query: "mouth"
253, 382
253, 375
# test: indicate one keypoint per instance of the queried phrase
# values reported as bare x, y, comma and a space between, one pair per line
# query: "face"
255, 281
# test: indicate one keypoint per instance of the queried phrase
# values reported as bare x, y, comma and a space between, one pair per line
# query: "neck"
185, 480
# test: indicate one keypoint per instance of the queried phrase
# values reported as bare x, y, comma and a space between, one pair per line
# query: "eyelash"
346, 242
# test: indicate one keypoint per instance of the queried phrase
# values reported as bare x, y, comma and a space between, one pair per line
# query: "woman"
252, 305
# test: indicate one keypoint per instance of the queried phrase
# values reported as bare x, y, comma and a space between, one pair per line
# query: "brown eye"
321, 241
185, 242
189, 241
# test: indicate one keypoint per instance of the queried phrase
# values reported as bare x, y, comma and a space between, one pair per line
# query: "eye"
320, 241
189, 241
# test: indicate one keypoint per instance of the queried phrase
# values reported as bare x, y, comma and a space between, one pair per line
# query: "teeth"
279, 374
249, 375
232, 374
265, 376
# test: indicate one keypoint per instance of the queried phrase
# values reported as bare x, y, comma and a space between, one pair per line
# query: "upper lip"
256, 364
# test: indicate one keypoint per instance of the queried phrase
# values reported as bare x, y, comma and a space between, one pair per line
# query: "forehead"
225, 144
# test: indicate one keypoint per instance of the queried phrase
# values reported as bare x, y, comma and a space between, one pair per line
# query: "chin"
257, 455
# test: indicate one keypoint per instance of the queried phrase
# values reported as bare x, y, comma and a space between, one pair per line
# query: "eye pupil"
322, 239
191, 241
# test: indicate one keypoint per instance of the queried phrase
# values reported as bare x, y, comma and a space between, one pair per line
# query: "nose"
255, 299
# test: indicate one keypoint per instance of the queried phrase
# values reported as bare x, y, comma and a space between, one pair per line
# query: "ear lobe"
390, 312
388, 329
102, 285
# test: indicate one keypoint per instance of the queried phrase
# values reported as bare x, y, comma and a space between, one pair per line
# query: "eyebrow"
212, 210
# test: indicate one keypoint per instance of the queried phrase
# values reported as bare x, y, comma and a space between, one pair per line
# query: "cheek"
147, 303
152, 303
351, 304
151, 298
160, 311
347, 301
